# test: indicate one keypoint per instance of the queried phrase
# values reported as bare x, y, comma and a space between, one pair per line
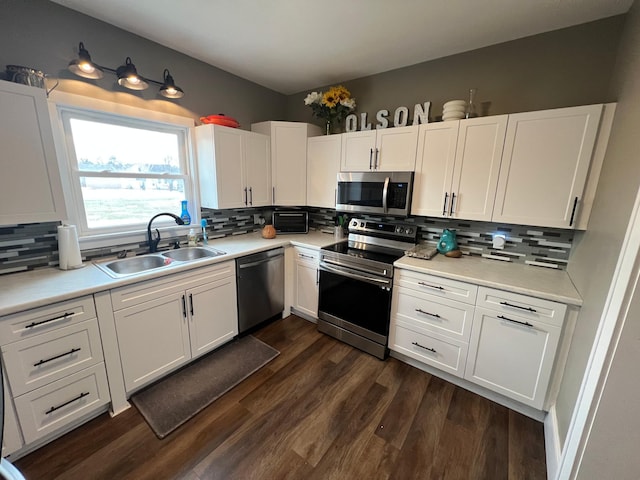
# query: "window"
124, 170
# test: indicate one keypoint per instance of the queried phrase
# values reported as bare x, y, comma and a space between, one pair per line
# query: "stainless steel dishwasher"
260, 280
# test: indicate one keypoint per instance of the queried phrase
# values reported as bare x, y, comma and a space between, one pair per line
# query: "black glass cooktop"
376, 254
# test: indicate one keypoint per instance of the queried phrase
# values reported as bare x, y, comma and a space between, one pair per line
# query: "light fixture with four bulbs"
127, 74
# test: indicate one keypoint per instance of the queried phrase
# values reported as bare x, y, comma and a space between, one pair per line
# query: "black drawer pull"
438, 287
61, 317
191, 303
53, 409
70, 352
573, 212
419, 310
526, 324
184, 306
528, 309
426, 348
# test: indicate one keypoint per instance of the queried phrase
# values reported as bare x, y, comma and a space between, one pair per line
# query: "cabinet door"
257, 168
12, 438
545, 164
396, 149
288, 163
33, 192
323, 165
306, 286
512, 356
213, 315
153, 338
358, 151
434, 169
475, 177
220, 156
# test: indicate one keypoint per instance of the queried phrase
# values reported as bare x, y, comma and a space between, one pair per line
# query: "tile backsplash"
543, 247
31, 246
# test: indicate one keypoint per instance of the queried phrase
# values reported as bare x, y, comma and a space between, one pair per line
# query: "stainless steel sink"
144, 263
192, 253
129, 266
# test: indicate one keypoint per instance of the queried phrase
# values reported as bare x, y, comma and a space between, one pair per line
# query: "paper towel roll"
68, 247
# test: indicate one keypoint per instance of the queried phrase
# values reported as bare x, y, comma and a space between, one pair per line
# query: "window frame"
63, 107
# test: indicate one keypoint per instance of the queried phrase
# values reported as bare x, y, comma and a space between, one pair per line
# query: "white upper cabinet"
475, 176
457, 168
545, 165
323, 165
383, 150
30, 189
434, 168
288, 159
233, 167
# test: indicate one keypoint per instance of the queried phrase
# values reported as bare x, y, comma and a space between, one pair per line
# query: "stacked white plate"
454, 110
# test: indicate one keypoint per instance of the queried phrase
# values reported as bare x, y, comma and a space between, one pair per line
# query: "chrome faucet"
153, 242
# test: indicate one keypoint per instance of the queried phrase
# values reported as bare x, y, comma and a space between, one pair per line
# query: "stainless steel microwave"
375, 192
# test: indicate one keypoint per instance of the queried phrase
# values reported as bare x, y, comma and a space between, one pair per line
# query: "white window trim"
61, 101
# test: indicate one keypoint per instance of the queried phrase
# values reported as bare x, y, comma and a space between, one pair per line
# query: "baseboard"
295, 311
552, 446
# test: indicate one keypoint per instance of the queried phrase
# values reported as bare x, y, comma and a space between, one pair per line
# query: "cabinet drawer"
38, 320
138, 293
60, 403
440, 352
36, 361
522, 305
436, 314
439, 286
306, 255
514, 359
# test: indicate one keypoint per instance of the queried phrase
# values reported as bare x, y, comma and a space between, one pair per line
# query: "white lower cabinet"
305, 296
12, 437
167, 322
54, 369
502, 341
512, 355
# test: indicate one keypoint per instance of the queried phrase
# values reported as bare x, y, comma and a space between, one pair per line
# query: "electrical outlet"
498, 241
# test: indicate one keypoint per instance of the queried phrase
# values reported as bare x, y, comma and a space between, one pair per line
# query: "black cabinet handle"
70, 352
250, 196
375, 164
61, 317
573, 212
245, 196
438, 287
419, 310
370, 157
53, 409
444, 207
528, 309
422, 346
184, 306
191, 303
453, 197
526, 324
317, 276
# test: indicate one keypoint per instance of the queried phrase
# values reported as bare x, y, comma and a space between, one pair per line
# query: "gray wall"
614, 438
563, 68
45, 36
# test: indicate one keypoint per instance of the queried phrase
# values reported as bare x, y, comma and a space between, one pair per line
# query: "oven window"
355, 301
366, 194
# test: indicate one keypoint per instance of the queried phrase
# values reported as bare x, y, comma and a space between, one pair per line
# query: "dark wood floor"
321, 410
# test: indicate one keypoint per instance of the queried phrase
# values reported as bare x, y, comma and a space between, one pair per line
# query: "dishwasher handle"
257, 262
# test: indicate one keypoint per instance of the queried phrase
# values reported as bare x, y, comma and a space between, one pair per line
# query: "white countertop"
22, 291
539, 282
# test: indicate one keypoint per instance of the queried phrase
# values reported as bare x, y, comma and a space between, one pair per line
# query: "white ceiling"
295, 45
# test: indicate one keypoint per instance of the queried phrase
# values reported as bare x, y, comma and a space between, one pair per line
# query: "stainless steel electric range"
356, 281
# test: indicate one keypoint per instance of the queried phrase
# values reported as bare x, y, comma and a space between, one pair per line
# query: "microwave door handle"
385, 191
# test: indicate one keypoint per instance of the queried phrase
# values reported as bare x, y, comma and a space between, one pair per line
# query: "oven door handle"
385, 191
356, 276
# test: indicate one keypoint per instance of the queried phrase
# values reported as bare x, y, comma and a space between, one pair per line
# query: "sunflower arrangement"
331, 106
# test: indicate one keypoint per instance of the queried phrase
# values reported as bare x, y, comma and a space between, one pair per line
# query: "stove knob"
398, 229
354, 224
361, 224
409, 231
